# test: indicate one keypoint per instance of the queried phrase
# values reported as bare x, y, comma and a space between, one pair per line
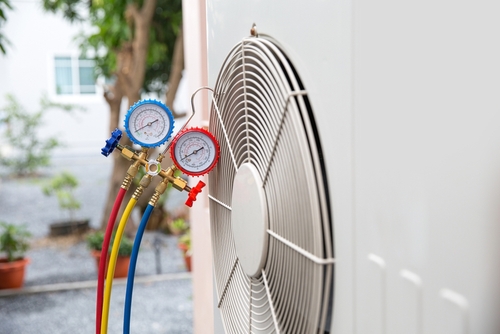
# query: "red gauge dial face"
195, 151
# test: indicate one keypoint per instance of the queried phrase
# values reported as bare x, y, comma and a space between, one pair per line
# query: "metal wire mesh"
261, 116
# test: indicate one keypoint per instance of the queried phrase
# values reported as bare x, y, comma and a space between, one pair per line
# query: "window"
74, 76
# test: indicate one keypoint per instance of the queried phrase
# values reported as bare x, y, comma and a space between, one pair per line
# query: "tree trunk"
141, 22
113, 96
131, 69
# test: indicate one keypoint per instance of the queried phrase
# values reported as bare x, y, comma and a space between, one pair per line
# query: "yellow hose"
112, 264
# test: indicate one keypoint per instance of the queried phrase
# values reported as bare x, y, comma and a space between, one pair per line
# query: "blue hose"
131, 268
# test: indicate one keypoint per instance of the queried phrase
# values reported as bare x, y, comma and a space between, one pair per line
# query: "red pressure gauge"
195, 151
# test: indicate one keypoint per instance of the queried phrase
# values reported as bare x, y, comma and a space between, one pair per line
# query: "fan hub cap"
249, 219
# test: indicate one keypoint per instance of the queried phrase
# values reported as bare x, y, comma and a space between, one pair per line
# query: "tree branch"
132, 13
175, 73
148, 9
141, 42
125, 73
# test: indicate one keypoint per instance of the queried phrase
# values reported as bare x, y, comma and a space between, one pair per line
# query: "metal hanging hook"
189, 119
196, 92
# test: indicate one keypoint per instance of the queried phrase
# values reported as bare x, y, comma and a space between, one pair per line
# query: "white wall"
27, 73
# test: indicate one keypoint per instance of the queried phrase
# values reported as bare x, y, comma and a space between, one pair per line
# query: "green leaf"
111, 31
31, 152
95, 240
14, 240
63, 185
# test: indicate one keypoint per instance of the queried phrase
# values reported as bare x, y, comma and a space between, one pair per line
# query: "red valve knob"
193, 193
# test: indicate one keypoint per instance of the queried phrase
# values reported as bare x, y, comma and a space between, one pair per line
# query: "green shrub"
180, 225
185, 239
30, 152
95, 240
125, 247
14, 241
63, 185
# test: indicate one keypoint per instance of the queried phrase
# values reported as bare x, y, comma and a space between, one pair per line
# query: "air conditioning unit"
358, 188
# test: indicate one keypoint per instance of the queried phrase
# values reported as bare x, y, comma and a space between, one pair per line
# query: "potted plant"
13, 243
178, 226
184, 245
29, 152
63, 185
94, 242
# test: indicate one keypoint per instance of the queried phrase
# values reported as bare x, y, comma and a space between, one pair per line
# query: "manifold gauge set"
150, 123
194, 152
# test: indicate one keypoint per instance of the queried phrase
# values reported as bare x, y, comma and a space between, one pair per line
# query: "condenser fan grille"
273, 252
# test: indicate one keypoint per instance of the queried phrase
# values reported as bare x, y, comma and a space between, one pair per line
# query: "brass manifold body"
166, 175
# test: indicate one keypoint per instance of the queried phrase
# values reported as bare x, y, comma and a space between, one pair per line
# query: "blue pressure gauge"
149, 123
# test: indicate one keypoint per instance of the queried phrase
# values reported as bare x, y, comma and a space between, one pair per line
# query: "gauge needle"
149, 124
194, 152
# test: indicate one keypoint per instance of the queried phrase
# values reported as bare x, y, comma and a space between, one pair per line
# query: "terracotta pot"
183, 247
122, 264
12, 273
187, 261
187, 256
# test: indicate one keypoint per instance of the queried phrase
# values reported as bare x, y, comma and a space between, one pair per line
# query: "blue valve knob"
112, 142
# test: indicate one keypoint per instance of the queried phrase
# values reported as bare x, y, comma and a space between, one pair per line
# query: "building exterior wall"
27, 72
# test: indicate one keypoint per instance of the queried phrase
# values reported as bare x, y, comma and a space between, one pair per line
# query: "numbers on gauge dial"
149, 124
195, 151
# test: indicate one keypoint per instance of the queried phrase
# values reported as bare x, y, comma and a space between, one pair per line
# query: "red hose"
104, 258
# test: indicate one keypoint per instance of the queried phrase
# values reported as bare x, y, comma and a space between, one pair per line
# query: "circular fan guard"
261, 117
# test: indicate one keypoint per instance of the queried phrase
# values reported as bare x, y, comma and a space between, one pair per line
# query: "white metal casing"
405, 96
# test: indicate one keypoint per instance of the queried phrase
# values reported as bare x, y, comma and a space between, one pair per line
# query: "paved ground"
161, 307
164, 306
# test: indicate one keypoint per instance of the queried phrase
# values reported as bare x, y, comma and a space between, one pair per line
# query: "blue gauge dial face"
149, 124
